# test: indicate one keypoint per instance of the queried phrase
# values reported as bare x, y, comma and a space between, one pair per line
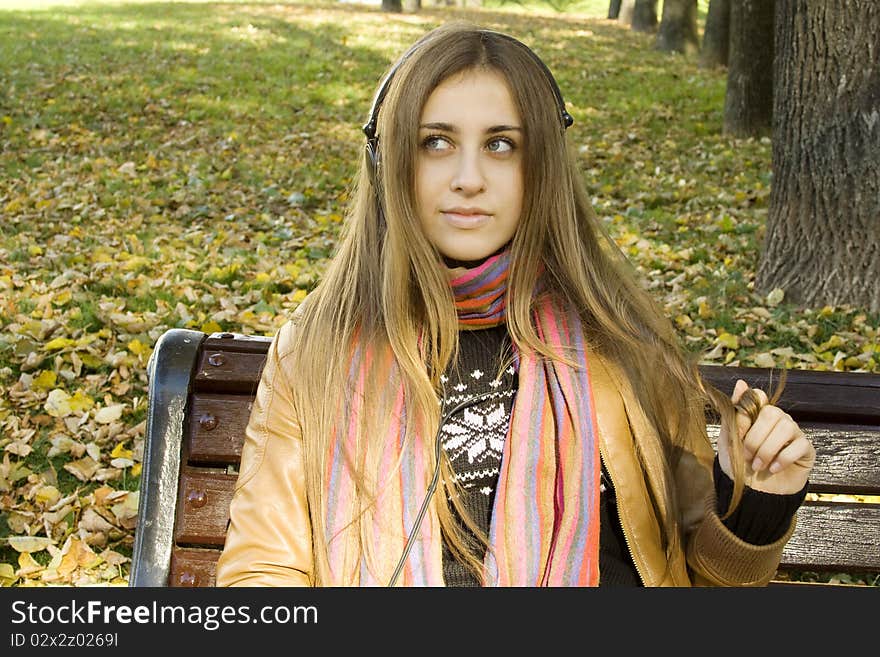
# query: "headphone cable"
434, 479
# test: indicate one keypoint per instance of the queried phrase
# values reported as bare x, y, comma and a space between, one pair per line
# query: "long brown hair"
386, 287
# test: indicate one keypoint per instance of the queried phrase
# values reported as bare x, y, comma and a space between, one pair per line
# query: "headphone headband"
369, 127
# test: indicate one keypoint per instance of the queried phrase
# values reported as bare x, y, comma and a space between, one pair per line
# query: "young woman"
479, 392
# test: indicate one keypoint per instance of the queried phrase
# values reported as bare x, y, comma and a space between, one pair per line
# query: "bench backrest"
200, 392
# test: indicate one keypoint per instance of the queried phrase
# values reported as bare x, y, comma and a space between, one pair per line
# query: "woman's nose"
468, 176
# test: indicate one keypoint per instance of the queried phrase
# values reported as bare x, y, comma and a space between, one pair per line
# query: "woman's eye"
500, 146
435, 143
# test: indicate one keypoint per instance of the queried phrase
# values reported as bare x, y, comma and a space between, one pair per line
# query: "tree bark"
748, 101
716, 35
411, 6
644, 18
613, 9
822, 245
639, 15
625, 12
392, 5
678, 27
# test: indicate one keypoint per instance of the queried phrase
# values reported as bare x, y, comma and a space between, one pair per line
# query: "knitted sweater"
473, 439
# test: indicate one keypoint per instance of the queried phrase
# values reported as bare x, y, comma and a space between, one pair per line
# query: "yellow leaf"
47, 495
29, 543
728, 340
136, 262
831, 343
58, 403
775, 297
121, 452
62, 298
35, 250
45, 380
138, 348
27, 565
90, 360
136, 470
86, 340
7, 574
211, 327
13, 206
765, 360
59, 343
81, 401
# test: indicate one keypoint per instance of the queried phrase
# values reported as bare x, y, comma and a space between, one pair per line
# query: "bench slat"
809, 395
229, 371
215, 433
235, 364
203, 507
835, 537
191, 567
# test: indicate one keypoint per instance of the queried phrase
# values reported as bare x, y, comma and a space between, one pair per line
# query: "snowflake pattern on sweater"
473, 437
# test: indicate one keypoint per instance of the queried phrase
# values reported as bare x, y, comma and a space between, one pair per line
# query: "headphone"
369, 127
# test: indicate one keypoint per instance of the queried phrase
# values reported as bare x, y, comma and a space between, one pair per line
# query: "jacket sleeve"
716, 556
269, 538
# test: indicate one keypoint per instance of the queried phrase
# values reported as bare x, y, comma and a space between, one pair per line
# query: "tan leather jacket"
269, 541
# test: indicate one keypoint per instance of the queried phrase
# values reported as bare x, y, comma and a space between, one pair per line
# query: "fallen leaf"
29, 543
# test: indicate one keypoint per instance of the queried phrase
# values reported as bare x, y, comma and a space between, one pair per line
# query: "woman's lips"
466, 221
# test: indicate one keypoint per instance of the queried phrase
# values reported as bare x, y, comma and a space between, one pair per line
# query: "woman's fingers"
746, 411
738, 390
771, 433
778, 455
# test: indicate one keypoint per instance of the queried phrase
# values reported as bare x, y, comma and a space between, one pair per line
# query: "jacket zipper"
613, 500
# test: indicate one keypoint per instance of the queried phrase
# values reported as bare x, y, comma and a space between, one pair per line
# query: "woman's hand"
778, 456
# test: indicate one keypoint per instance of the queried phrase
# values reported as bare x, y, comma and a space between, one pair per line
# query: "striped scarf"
545, 519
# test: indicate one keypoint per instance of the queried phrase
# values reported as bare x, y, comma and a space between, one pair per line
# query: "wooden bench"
200, 393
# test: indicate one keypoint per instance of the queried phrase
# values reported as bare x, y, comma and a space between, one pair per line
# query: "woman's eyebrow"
448, 127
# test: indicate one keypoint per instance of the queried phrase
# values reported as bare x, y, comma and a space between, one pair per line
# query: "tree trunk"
625, 13
822, 245
716, 36
411, 6
613, 9
640, 15
678, 27
644, 18
392, 5
748, 102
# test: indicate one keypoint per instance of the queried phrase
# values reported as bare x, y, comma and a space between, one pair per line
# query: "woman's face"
469, 178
